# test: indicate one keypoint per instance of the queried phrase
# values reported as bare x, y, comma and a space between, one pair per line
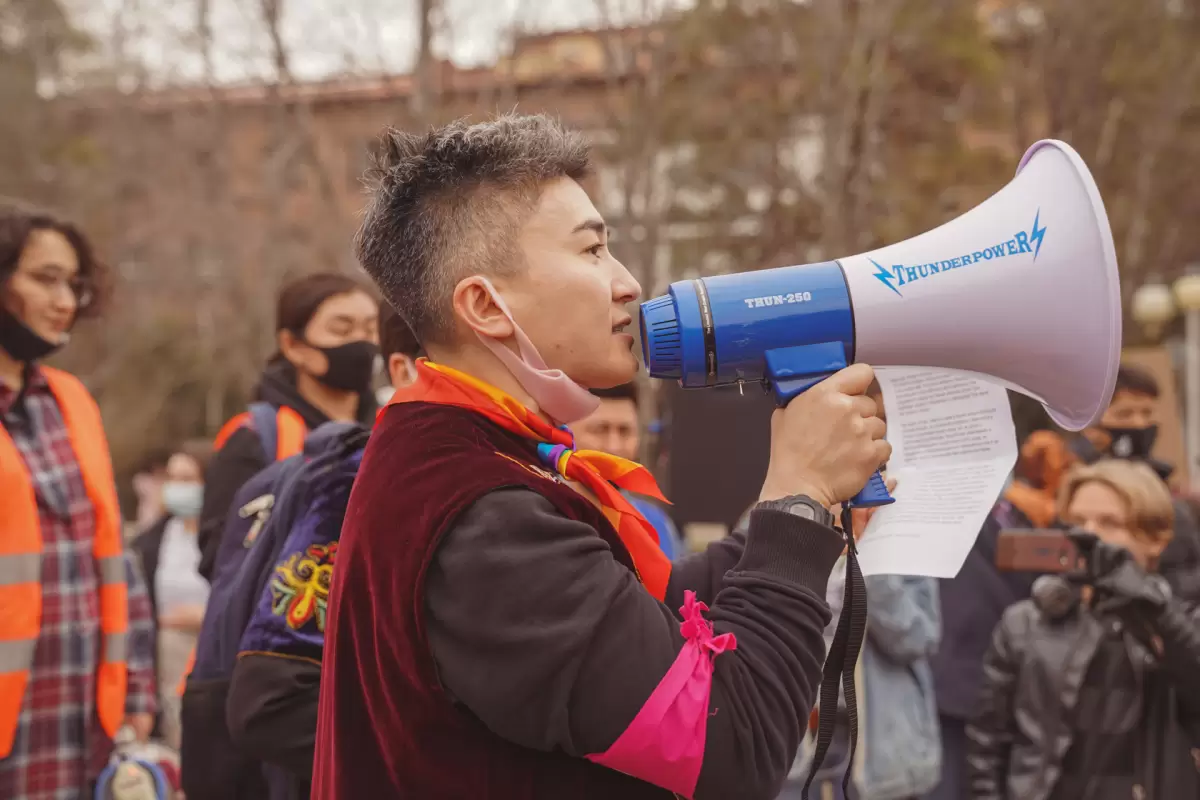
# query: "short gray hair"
449, 203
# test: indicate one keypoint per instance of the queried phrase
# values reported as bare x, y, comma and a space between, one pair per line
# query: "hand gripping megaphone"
1023, 290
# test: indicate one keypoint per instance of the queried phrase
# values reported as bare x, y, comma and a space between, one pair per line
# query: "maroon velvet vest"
386, 728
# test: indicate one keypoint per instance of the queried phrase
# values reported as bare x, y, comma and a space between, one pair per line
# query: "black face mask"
1132, 443
351, 365
19, 341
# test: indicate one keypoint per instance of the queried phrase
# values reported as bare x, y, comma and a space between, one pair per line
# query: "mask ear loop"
529, 353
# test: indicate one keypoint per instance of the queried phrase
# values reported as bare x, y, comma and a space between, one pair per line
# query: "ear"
290, 346
474, 305
401, 370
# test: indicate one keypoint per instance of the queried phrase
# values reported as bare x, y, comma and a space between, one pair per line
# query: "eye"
595, 249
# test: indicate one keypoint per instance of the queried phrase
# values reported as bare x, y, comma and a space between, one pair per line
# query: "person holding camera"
1092, 686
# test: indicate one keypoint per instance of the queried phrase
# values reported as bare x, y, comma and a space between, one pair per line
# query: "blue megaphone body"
786, 328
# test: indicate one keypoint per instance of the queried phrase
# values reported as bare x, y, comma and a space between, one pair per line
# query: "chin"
622, 368
52, 335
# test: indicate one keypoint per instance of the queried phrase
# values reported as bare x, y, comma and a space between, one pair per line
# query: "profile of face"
1096, 508
571, 295
328, 348
612, 428
1130, 410
183, 487
43, 291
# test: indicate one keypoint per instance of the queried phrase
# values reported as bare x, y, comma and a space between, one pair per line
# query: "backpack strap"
262, 419
291, 431
281, 433
229, 428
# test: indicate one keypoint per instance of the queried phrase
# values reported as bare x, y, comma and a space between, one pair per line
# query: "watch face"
803, 510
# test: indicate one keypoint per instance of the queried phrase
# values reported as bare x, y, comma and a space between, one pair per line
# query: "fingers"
883, 451
864, 405
853, 380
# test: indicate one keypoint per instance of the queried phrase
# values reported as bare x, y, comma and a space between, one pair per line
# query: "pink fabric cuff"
664, 745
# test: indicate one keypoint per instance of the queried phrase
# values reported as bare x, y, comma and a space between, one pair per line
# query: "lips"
621, 326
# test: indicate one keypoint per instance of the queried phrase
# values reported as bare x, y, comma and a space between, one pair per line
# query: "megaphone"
1022, 290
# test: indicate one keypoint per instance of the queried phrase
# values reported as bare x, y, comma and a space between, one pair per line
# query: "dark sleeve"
1178, 630
145, 549
1180, 562
574, 646
704, 573
272, 709
989, 734
237, 462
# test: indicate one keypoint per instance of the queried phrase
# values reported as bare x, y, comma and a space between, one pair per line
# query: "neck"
477, 362
190, 524
334, 403
12, 372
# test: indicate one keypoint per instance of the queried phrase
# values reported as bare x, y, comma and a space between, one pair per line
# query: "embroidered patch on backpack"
300, 586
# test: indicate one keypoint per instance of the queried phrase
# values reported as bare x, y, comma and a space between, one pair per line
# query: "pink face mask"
559, 397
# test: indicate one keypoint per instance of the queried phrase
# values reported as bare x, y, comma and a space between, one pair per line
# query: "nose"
625, 287
65, 303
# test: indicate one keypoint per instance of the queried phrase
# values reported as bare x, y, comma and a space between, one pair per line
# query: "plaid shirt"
60, 747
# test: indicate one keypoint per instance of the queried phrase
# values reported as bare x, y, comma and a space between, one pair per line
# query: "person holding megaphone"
502, 622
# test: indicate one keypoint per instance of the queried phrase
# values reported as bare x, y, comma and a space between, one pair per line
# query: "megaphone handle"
794, 370
875, 493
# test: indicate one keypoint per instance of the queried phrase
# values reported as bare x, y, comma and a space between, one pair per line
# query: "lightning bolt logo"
884, 276
1037, 233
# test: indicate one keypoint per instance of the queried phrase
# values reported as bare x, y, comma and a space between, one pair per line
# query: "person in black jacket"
272, 706
1092, 686
327, 332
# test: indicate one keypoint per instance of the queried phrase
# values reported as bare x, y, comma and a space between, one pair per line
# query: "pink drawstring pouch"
664, 745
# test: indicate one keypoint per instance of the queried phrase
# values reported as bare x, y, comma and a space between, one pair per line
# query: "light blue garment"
899, 753
668, 536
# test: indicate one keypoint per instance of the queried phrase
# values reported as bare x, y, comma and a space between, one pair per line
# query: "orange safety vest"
21, 562
290, 431
289, 426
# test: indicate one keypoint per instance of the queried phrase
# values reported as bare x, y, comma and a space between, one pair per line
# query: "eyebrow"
596, 226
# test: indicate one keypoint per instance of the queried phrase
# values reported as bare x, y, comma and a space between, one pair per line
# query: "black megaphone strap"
841, 661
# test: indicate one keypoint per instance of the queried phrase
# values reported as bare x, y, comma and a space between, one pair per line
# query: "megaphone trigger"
794, 370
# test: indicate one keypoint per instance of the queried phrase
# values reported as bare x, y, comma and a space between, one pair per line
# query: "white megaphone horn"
1023, 290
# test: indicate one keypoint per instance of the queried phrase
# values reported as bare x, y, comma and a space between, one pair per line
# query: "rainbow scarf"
603, 474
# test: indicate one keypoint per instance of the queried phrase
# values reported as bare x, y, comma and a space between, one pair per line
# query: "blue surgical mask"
183, 499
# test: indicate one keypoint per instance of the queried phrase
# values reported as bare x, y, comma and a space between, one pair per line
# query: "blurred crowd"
181, 650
